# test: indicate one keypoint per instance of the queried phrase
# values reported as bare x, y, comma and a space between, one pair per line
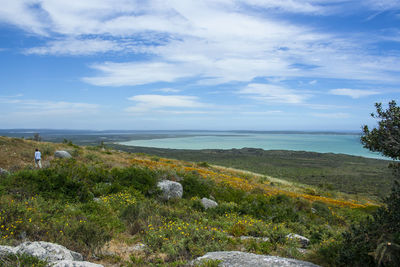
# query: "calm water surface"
323, 143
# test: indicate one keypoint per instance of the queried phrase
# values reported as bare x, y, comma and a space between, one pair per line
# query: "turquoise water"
323, 143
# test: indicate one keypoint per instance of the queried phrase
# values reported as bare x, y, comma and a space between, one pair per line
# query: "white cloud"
24, 14
32, 107
294, 6
217, 41
134, 73
383, 5
353, 93
273, 94
168, 90
76, 47
147, 103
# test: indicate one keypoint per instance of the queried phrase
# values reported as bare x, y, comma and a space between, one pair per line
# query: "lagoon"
313, 142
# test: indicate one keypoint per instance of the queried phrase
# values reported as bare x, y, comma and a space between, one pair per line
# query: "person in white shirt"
38, 159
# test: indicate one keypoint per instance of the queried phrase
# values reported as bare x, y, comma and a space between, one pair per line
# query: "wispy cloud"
273, 94
135, 73
293, 6
76, 47
145, 103
32, 107
215, 41
353, 93
168, 90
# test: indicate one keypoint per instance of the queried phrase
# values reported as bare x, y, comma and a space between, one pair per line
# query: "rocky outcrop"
170, 189
55, 254
243, 259
62, 154
304, 242
208, 203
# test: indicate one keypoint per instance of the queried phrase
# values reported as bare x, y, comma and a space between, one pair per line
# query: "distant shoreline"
112, 132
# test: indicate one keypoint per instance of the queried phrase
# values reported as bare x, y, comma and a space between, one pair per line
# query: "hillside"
103, 202
337, 172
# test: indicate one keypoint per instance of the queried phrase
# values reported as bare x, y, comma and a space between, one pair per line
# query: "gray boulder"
208, 203
4, 250
48, 251
243, 259
3, 172
68, 263
301, 239
170, 189
62, 154
56, 255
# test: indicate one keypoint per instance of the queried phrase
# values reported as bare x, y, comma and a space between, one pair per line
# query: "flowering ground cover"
102, 197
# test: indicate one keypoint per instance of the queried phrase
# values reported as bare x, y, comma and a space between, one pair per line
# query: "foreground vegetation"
103, 202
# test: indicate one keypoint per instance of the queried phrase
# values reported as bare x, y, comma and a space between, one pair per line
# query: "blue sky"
204, 64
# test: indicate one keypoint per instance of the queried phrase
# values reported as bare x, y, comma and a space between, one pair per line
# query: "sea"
340, 143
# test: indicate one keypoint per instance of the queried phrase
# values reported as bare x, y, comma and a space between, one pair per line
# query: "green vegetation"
334, 172
87, 205
376, 240
21, 260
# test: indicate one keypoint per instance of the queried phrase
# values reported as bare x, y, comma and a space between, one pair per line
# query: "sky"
200, 65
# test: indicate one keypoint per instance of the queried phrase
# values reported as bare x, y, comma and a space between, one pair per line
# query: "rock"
208, 203
3, 172
56, 255
62, 154
138, 247
243, 259
170, 189
303, 240
4, 250
68, 263
48, 251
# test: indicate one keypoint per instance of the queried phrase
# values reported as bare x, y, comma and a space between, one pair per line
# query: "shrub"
46, 149
224, 192
141, 179
367, 243
188, 240
50, 183
136, 216
203, 164
195, 186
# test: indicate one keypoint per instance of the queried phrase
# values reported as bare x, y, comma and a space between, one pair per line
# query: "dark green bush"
195, 186
224, 192
364, 244
49, 183
143, 180
278, 208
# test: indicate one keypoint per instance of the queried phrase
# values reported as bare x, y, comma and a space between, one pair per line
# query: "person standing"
38, 159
